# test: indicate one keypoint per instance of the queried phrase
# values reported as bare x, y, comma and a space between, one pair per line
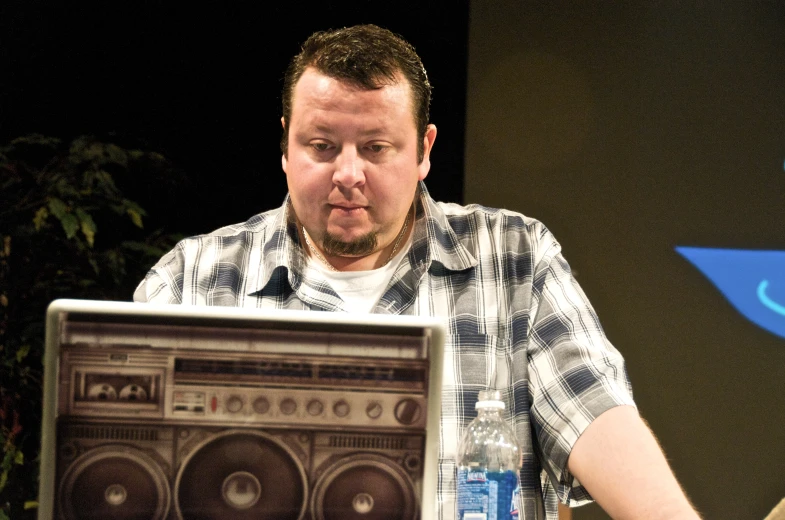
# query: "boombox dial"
234, 404
288, 406
341, 408
408, 411
315, 407
374, 410
261, 405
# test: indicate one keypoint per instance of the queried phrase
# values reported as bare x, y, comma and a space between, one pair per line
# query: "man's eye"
320, 147
376, 148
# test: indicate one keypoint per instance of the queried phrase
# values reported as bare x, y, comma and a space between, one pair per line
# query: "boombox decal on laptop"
208, 414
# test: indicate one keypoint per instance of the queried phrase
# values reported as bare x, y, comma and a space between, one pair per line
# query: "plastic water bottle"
489, 458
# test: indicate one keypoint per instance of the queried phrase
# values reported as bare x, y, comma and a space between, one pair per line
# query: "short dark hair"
366, 56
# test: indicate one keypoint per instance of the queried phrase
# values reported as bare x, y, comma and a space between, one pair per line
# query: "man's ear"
283, 155
428, 140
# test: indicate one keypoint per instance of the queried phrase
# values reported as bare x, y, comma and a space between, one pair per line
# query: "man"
358, 232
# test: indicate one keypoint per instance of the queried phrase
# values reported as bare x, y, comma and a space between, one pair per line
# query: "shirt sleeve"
575, 372
164, 281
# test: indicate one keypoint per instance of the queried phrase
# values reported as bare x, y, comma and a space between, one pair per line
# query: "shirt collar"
443, 245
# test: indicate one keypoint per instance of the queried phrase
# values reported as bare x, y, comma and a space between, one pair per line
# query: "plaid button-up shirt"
517, 321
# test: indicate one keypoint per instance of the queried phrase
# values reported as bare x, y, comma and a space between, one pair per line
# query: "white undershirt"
360, 290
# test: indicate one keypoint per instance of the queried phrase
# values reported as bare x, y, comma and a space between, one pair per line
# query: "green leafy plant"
67, 230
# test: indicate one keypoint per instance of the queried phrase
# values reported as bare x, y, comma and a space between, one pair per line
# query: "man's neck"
374, 260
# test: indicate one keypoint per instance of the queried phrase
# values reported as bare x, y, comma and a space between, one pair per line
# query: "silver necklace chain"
316, 253
330, 266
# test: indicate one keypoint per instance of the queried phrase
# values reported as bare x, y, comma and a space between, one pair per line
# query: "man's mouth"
348, 210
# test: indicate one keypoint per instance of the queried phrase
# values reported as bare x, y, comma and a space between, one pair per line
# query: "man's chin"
363, 245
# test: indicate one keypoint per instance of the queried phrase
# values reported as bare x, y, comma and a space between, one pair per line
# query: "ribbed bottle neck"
489, 412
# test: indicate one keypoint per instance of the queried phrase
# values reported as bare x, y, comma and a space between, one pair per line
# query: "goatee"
361, 246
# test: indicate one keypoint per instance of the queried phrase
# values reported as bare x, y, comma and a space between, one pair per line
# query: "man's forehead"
314, 82
316, 92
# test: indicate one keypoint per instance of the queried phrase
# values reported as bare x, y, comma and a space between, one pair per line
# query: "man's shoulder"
487, 216
484, 230
258, 223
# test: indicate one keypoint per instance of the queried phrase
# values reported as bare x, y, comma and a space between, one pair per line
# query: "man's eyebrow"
327, 129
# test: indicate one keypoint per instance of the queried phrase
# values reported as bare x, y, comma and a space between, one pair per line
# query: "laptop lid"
179, 412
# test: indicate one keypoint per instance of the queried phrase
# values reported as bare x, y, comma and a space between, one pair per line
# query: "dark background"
628, 128
631, 128
202, 86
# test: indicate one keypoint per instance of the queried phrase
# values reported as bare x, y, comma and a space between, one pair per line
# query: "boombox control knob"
315, 407
341, 408
261, 405
288, 406
234, 404
374, 410
407, 411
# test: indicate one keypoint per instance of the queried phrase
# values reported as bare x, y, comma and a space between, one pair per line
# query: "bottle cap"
490, 399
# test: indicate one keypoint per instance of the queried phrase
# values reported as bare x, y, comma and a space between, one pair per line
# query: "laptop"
171, 412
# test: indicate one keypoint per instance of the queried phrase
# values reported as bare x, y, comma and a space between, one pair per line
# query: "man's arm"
164, 281
619, 461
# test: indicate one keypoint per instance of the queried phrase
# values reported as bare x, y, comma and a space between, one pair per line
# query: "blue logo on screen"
752, 281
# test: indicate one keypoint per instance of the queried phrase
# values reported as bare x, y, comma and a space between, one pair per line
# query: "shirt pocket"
474, 362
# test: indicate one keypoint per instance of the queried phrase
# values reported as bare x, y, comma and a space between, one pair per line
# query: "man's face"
351, 167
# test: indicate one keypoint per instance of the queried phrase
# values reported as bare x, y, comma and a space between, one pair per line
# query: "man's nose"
349, 168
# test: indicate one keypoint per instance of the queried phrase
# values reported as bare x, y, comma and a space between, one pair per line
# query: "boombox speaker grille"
364, 487
118, 433
114, 482
241, 475
367, 442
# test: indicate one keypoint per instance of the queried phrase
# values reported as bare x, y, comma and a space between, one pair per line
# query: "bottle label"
487, 495
516, 499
